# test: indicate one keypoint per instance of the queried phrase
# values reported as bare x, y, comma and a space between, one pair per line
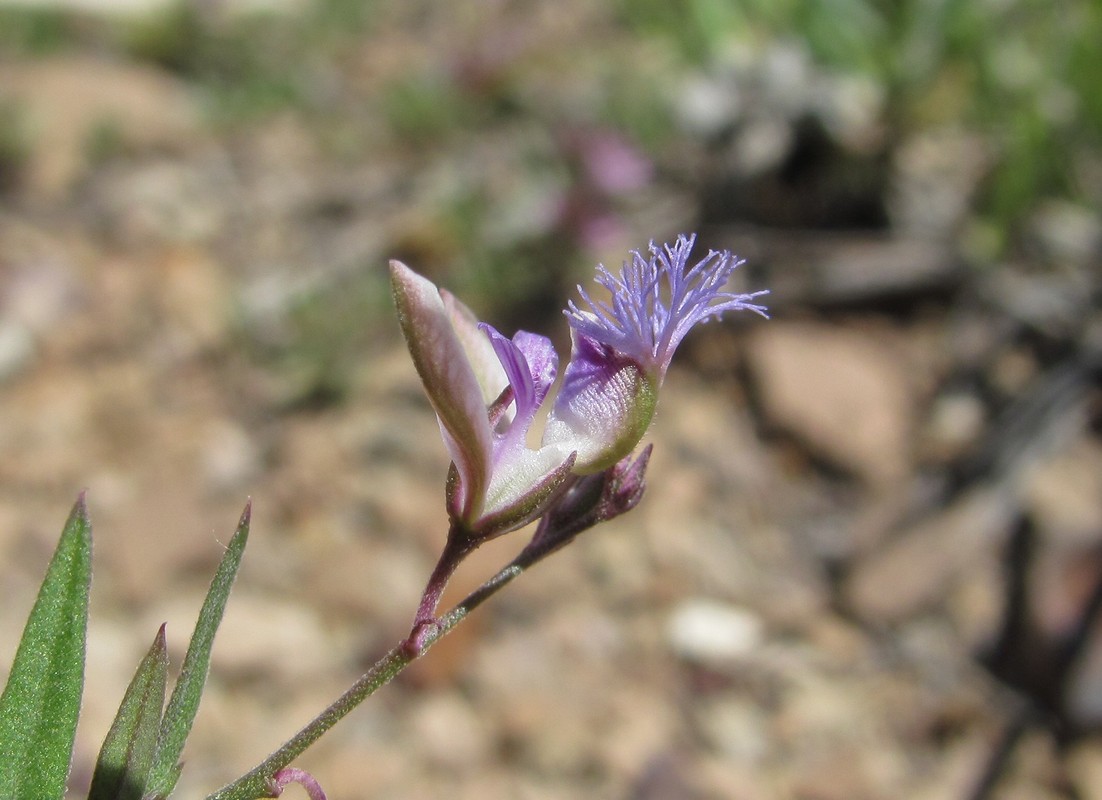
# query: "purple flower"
656, 301
486, 389
623, 347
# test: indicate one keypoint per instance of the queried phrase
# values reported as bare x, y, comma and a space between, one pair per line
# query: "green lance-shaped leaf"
122, 769
41, 703
184, 703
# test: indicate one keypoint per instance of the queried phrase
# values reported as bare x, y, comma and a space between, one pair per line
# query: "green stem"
256, 783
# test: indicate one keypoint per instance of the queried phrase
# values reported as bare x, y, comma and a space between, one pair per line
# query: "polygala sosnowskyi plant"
621, 351
486, 390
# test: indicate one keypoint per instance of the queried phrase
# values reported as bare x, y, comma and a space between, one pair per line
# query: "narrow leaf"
184, 703
41, 702
127, 753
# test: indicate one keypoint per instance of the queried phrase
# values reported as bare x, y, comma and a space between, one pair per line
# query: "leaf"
127, 753
41, 702
184, 703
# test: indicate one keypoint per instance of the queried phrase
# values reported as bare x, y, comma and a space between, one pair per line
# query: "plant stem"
459, 545
257, 782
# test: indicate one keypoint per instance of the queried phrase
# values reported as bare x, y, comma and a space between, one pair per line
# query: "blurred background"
869, 562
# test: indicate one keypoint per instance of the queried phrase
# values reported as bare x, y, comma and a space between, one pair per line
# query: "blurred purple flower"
607, 167
612, 164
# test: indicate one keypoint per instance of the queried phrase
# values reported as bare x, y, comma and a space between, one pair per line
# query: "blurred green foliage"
420, 108
38, 31
250, 63
14, 143
1025, 73
329, 331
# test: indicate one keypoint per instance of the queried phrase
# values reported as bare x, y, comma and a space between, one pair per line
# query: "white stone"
708, 631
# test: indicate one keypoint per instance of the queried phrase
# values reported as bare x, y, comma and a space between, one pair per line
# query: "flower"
623, 347
486, 390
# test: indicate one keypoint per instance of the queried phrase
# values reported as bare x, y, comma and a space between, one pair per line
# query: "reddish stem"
459, 545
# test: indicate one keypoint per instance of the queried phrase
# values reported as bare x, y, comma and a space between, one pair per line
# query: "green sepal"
122, 768
41, 702
184, 703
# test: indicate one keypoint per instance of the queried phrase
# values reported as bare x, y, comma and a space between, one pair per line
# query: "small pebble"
706, 631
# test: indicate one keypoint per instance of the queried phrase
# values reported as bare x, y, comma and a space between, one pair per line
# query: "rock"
935, 176
707, 105
707, 632
230, 457
805, 267
762, 145
862, 268
42, 290
954, 424
1070, 234
784, 73
1055, 302
1064, 495
841, 392
918, 566
851, 108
